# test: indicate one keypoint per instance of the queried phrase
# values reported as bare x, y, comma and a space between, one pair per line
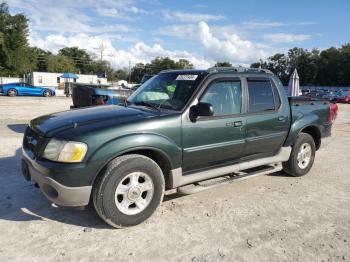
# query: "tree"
60, 64
15, 54
344, 74
41, 56
300, 59
156, 65
183, 64
82, 60
223, 64
330, 67
137, 72
121, 74
278, 64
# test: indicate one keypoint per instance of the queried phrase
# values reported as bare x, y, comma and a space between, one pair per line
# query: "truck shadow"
21, 201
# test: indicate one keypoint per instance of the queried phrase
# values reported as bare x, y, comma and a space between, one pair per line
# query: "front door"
219, 139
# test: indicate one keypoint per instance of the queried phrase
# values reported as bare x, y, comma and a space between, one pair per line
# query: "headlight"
65, 151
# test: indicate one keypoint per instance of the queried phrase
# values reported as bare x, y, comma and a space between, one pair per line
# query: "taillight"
333, 111
330, 119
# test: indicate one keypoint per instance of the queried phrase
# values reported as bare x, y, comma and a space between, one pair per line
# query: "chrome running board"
177, 179
220, 181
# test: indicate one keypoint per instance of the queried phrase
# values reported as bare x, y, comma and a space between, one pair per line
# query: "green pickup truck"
188, 130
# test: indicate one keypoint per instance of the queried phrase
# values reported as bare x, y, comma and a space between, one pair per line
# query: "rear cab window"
263, 96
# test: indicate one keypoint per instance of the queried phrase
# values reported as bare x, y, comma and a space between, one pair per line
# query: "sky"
132, 31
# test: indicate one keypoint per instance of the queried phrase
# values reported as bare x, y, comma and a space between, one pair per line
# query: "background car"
92, 95
24, 89
330, 96
343, 96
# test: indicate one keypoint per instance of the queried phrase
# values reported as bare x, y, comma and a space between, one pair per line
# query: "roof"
184, 71
220, 70
69, 75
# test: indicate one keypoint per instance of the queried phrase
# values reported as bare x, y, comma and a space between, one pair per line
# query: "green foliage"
157, 65
41, 57
223, 64
121, 74
331, 67
59, 63
15, 56
82, 60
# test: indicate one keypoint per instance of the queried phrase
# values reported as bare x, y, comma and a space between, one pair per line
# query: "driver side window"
224, 96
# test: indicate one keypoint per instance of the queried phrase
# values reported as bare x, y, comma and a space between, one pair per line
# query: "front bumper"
53, 190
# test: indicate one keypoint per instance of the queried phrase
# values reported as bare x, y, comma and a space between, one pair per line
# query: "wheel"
302, 156
47, 93
128, 191
12, 92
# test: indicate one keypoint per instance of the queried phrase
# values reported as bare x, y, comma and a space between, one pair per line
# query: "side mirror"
201, 109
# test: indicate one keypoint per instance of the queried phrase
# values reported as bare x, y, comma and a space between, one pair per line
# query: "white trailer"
55, 80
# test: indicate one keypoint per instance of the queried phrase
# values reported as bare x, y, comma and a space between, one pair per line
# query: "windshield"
167, 90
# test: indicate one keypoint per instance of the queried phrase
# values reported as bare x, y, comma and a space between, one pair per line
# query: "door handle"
281, 118
237, 123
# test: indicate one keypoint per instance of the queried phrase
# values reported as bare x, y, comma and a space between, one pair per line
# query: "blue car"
24, 89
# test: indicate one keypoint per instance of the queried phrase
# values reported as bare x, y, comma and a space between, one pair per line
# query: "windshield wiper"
143, 103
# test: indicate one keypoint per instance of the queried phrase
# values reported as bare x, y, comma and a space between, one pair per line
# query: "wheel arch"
157, 155
314, 132
310, 124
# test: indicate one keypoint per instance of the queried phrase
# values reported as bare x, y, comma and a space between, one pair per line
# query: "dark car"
84, 95
179, 130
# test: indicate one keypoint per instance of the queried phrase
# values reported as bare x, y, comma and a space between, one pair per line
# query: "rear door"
267, 118
219, 139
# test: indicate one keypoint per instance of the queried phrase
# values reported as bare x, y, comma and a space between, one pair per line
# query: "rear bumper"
53, 190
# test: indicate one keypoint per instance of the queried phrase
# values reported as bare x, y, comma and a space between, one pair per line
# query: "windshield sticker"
186, 77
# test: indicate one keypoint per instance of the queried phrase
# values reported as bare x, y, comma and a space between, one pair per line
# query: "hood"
48, 125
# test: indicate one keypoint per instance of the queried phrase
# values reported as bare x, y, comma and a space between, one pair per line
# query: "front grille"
33, 143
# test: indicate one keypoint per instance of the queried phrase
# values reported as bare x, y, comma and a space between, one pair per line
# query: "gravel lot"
268, 218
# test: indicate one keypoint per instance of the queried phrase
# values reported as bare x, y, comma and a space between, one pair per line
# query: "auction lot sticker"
187, 77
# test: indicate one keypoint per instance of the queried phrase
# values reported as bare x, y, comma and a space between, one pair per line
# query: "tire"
131, 205
305, 143
47, 93
12, 92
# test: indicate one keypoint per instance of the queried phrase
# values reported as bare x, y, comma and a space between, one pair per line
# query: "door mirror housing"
201, 109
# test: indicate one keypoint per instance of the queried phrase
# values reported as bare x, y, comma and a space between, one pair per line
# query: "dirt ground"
268, 218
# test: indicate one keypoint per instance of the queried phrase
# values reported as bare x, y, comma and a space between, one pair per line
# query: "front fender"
133, 142
301, 121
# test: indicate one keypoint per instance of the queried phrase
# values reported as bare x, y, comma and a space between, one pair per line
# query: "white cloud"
184, 31
232, 48
139, 52
266, 24
71, 17
286, 38
190, 17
